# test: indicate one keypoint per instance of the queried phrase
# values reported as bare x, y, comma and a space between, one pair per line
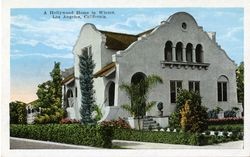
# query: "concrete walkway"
21, 143
148, 145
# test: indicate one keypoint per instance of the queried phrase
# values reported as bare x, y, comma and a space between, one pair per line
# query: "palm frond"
128, 108
150, 105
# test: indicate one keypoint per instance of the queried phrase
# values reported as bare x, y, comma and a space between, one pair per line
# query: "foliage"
240, 82
159, 137
98, 112
183, 95
229, 113
50, 98
138, 95
212, 114
18, 113
90, 135
120, 123
185, 116
174, 120
69, 121
225, 121
87, 66
192, 116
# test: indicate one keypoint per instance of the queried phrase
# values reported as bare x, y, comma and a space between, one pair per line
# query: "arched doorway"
136, 79
111, 94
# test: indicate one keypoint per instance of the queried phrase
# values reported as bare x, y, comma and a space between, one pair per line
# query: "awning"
106, 70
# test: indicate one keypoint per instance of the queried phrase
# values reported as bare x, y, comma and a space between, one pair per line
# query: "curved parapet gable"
92, 26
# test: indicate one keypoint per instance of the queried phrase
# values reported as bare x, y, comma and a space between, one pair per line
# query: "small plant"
171, 129
207, 132
150, 128
158, 128
225, 133
216, 133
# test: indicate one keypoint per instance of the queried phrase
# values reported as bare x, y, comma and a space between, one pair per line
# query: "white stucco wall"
145, 56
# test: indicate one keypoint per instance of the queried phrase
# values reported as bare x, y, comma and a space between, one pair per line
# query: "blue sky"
38, 40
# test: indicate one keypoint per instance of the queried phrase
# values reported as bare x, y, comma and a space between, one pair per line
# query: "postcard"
124, 78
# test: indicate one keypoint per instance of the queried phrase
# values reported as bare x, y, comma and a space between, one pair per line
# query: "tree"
138, 95
240, 83
18, 113
49, 96
190, 115
87, 66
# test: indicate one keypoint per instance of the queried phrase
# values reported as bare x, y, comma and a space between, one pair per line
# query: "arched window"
178, 51
110, 93
111, 97
69, 102
189, 50
199, 53
168, 51
222, 88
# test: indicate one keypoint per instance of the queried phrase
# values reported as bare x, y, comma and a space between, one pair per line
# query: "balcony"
184, 65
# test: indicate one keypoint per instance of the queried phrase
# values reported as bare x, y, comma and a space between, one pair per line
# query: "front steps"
149, 122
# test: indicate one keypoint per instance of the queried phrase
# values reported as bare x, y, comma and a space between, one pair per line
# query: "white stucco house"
178, 50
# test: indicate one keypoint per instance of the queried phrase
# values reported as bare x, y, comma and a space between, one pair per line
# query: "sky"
38, 39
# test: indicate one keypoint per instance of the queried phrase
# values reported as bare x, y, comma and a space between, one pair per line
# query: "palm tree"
138, 95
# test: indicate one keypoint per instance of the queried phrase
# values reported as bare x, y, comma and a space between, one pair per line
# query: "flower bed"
231, 120
96, 136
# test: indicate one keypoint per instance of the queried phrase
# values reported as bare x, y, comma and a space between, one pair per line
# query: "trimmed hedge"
225, 121
227, 127
96, 136
160, 137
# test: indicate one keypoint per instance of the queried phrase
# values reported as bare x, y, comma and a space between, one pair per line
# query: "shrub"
120, 123
229, 114
225, 121
207, 132
216, 133
160, 137
212, 114
18, 113
193, 117
225, 133
174, 120
97, 136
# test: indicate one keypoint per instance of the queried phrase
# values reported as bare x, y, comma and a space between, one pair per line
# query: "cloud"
52, 32
52, 55
135, 24
232, 33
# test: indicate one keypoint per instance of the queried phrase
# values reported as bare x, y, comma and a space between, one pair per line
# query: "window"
222, 91
174, 87
178, 51
199, 53
194, 86
87, 50
222, 88
76, 91
184, 25
189, 49
168, 51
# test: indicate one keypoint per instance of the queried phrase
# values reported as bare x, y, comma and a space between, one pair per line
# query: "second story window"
87, 50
